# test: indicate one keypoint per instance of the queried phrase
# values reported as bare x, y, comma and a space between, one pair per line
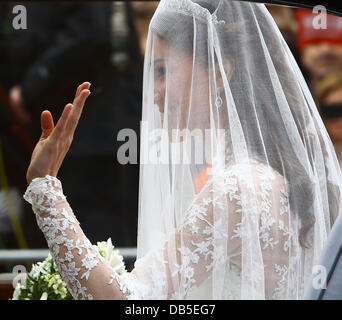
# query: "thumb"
47, 124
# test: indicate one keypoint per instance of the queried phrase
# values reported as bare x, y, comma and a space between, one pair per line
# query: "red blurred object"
20, 130
307, 34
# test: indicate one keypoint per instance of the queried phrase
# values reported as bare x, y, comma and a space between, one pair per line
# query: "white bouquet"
44, 282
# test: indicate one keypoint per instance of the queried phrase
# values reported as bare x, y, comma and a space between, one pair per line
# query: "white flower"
35, 272
44, 296
116, 262
106, 250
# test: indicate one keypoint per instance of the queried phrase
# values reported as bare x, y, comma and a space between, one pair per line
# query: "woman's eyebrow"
158, 60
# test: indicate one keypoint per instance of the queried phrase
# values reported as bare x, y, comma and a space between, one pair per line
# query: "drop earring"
218, 101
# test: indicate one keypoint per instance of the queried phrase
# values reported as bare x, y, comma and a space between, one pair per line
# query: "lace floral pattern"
72, 252
238, 184
200, 241
204, 242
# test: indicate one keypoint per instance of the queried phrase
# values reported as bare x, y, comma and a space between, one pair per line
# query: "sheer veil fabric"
239, 181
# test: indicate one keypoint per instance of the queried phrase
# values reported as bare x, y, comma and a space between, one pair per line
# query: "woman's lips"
161, 108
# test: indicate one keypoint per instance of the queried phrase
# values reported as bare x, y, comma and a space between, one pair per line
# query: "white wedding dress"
252, 228
89, 276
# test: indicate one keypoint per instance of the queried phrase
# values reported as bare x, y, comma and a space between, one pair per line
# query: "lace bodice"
89, 276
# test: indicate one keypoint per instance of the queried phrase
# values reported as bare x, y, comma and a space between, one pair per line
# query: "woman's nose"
157, 97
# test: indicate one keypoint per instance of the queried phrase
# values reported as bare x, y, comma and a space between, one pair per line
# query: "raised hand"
55, 141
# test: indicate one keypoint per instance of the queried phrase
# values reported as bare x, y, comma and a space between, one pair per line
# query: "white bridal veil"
239, 181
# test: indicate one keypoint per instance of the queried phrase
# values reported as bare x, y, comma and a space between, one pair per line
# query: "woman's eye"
160, 71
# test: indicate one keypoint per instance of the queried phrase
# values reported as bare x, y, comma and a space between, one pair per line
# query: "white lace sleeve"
190, 254
86, 273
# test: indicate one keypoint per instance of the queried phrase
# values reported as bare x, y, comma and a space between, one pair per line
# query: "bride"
239, 182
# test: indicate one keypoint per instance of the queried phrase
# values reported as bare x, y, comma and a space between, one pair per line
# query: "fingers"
57, 132
84, 85
75, 114
71, 114
47, 124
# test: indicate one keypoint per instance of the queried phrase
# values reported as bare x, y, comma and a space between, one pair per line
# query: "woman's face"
181, 89
334, 126
322, 58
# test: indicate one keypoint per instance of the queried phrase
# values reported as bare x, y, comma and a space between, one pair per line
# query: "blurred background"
66, 43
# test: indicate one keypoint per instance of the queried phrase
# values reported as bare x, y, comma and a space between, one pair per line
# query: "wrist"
47, 186
46, 176
30, 177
